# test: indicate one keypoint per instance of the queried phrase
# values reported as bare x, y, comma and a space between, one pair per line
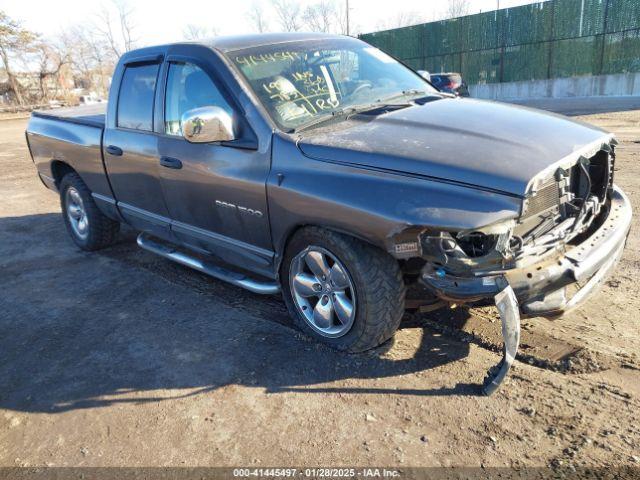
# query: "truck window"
299, 82
189, 87
135, 102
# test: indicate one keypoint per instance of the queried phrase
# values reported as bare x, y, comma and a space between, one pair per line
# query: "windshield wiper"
339, 114
405, 93
354, 109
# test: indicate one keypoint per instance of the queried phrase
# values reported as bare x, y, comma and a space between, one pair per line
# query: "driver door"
215, 192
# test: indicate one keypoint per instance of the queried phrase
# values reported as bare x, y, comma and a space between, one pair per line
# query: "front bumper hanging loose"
507, 305
547, 288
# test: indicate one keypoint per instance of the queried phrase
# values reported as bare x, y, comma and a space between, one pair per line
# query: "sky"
162, 21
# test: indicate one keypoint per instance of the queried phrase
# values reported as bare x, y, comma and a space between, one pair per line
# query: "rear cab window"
136, 97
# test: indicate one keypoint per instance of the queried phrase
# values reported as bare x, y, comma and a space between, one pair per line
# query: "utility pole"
347, 17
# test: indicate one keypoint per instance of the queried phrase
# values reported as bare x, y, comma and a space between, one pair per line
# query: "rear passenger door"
131, 147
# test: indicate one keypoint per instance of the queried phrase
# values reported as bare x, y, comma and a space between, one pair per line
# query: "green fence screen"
557, 38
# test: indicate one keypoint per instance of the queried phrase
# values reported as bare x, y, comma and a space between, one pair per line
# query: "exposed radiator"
545, 198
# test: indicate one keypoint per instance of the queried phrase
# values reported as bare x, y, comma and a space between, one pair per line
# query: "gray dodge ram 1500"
319, 166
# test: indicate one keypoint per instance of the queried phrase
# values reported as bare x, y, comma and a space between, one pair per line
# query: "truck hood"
484, 144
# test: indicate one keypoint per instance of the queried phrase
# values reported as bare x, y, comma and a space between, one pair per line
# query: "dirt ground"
119, 358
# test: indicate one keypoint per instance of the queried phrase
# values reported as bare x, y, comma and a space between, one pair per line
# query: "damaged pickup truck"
320, 167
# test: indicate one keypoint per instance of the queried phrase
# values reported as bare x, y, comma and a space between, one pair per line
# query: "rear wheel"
88, 227
342, 291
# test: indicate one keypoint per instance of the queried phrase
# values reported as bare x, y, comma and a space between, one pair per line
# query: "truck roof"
239, 42
229, 43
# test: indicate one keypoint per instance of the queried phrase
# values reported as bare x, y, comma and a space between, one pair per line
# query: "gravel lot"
119, 358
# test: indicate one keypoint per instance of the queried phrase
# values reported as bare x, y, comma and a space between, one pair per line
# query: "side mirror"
424, 74
207, 124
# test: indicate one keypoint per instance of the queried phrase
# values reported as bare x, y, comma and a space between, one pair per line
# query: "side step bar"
170, 252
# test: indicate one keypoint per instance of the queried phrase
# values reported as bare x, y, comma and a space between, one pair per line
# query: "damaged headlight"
481, 242
477, 244
493, 239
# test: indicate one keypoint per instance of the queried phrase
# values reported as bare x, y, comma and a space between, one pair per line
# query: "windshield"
300, 82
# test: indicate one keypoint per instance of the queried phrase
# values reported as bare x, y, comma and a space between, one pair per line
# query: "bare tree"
51, 60
198, 32
15, 41
457, 8
126, 26
91, 59
118, 34
104, 26
321, 16
289, 14
257, 17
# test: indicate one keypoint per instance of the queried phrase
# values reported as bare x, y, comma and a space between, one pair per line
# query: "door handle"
113, 150
170, 162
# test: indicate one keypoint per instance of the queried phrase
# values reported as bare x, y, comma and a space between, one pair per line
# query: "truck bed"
91, 115
72, 136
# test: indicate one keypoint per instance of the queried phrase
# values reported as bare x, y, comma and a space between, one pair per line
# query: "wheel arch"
281, 248
59, 169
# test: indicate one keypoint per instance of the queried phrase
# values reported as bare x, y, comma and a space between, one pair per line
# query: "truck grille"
547, 196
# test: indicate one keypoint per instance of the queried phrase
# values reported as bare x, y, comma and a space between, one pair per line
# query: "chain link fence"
553, 39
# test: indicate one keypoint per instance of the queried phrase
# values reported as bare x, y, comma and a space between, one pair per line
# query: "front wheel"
342, 291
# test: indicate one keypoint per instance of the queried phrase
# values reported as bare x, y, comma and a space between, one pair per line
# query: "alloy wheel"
323, 291
76, 213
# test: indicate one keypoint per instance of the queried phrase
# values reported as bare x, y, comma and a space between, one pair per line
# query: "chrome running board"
170, 252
